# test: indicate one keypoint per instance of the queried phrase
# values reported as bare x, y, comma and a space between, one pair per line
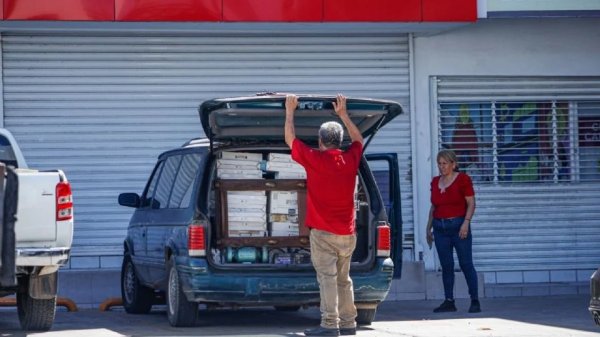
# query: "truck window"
7, 155
165, 182
182, 188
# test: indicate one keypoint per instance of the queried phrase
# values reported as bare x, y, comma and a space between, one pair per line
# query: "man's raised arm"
291, 103
342, 112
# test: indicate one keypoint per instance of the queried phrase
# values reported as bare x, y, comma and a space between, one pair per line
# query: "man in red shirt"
331, 180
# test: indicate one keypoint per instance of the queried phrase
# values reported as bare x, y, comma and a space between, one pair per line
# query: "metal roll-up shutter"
103, 107
532, 147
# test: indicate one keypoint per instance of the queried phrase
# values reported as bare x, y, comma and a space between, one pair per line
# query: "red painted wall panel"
273, 10
373, 10
59, 10
168, 10
242, 10
449, 11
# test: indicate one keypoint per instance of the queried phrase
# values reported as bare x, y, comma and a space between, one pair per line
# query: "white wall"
502, 47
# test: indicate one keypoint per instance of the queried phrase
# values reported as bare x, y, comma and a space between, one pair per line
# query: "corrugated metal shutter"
103, 107
532, 147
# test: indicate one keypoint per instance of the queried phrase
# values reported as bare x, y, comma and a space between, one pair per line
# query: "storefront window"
588, 125
524, 142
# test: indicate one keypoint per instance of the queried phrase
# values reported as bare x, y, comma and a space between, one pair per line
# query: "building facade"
99, 89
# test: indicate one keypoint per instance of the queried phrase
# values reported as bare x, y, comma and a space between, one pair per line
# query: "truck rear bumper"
273, 288
42, 256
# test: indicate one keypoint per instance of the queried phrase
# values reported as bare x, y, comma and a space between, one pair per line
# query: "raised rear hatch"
261, 118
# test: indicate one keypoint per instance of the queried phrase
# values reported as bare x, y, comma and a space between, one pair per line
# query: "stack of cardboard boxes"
247, 213
283, 209
284, 167
283, 213
239, 165
247, 210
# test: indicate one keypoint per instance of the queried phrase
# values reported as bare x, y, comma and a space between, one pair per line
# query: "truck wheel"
137, 299
180, 311
35, 314
365, 316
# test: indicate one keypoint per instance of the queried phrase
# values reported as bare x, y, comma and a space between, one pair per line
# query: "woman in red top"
449, 226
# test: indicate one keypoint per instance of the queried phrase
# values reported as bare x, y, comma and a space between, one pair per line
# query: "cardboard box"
246, 217
239, 174
285, 233
284, 209
242, 201
247, 233
281, 166
241, 156
248, 193
277, 217
284, 226
230, 164
241, 225
284, 197
281, 157
253, 209
290, 175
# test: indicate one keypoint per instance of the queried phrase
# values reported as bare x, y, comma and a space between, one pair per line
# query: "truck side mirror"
129, 200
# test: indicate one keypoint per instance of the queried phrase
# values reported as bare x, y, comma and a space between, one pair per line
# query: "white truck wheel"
35, 314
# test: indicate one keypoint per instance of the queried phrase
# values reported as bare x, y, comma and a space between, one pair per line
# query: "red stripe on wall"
59, 10
273, 10
242, 10
449, 11
373, 10
168, 10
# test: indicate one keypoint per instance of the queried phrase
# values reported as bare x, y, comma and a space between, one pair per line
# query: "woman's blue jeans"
445, 234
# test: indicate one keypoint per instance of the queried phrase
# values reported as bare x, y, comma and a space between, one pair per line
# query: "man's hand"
340, 109
291, 103
340, 106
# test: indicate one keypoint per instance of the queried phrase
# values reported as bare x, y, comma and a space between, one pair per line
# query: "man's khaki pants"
330, 255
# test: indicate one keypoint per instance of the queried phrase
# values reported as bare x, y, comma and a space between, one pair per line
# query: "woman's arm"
464, 229
429, 230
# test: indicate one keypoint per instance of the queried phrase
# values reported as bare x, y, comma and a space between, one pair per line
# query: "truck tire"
137, 298
35, 314
180, 311
365, 316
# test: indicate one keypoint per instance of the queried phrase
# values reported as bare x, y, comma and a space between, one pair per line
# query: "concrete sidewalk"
552, 316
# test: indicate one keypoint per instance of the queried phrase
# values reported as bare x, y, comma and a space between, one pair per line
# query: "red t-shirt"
330, 181
451, 203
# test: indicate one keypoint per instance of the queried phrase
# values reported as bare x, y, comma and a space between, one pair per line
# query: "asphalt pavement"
551, 316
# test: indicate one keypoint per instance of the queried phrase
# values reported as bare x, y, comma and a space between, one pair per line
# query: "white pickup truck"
36, 234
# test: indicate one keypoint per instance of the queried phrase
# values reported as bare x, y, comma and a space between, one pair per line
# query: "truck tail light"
197, 239
384, 242
64, 201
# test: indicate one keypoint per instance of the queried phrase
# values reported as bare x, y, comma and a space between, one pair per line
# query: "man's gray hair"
331, 134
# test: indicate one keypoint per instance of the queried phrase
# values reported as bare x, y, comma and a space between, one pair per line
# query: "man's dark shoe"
321, 331
446, 306
347, 331
475, 306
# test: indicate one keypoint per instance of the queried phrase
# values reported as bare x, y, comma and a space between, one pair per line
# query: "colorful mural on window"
512, 142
